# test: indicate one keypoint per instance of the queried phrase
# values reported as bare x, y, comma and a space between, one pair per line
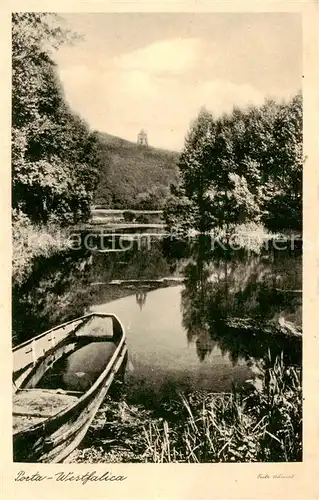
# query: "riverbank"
30, 241
251, 236
257, 423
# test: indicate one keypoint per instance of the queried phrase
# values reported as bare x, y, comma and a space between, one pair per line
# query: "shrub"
143, 219
128, 216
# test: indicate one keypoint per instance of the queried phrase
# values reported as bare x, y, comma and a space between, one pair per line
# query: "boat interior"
62, 373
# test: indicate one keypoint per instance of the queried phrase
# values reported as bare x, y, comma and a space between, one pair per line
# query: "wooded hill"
133, 176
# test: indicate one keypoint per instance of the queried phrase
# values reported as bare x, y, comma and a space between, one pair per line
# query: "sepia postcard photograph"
158, 214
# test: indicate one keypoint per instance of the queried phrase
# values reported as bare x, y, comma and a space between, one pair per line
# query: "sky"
155, 71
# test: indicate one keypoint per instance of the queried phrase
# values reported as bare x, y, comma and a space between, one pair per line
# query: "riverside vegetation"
55, 162
255, 424
59, 166
243, 168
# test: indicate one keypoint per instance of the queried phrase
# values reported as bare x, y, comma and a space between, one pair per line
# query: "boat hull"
54, 438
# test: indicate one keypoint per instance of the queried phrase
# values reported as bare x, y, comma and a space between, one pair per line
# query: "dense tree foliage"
54, 156
240, 167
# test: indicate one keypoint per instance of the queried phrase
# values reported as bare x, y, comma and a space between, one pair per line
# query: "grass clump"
116, 435
263, 424
259, 423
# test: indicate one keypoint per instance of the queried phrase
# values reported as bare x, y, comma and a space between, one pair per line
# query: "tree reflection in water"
219, 285
224, 284
51, 295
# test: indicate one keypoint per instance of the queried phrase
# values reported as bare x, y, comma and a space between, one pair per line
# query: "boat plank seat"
96, 327
33, 406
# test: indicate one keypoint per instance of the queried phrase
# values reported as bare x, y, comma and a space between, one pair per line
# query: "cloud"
122, 101
172, 57
220, 96
159, 87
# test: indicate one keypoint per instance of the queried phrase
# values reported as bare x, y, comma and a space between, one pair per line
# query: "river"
176, 328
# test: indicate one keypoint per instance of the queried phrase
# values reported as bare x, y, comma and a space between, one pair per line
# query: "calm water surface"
161, 354
177, 335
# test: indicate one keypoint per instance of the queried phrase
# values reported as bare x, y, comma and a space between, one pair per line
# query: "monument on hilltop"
142, 138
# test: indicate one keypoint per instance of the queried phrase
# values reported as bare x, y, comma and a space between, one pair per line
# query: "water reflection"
220, 288
65, 285
217, 287
140, 298
51, 295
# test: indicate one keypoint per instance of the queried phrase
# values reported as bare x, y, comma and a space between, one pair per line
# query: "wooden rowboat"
60, 379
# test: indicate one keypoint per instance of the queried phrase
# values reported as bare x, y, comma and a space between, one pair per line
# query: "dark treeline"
55, 165
241, 167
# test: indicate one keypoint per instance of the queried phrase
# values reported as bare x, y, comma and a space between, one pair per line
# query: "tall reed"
261, 424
